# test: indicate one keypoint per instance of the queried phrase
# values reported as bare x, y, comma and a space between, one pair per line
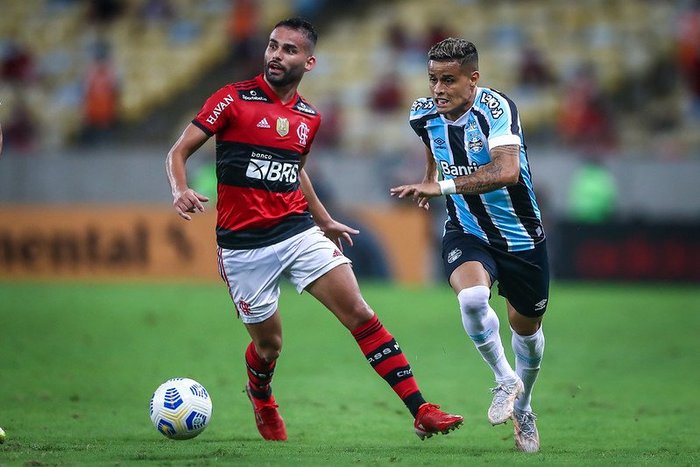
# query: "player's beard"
289, 76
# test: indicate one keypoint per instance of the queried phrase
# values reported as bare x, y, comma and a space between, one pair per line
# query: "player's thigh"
252, 277
315, 264
308, 256
338, 291
467, 262
469, 274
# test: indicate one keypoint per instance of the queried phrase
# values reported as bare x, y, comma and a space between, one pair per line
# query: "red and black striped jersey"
259, 144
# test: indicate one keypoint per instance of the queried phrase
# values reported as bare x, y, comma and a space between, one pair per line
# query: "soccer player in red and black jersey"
270, 224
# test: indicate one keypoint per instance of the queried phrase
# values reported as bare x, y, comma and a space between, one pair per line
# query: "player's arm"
334, 230
430, 176
185, 199
503, 170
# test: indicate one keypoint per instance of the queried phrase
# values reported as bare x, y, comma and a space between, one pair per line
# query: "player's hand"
338, 233
188, 201
420, 192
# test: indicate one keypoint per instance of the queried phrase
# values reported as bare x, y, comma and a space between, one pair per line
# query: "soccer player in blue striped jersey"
476, 157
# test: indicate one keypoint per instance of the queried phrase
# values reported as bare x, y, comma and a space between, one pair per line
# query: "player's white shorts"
253, 276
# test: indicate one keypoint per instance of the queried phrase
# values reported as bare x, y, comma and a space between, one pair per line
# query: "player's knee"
270, 349
474, 300
270, 355
356, 315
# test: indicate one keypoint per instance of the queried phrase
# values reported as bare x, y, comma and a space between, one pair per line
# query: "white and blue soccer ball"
180, 408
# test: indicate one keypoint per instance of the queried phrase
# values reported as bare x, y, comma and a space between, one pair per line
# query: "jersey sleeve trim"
203, 128
504, 140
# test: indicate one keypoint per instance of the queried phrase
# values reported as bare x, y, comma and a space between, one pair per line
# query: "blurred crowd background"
94, 92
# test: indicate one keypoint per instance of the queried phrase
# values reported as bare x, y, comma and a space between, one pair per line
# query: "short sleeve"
216, 112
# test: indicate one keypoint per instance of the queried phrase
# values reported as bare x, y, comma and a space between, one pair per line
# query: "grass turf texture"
78, 365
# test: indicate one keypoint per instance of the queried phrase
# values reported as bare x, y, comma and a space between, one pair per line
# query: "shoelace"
527, 423
502, 388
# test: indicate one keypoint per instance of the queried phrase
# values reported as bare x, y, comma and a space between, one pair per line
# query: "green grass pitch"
619, 382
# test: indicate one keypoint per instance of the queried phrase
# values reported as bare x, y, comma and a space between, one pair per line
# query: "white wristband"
447, 187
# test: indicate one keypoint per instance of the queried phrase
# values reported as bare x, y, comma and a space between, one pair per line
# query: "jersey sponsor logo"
253, 95
282, 126
302, 106
214, 115
303, 133
261, 155
458, 170
475, 144
272, 171
493, 104
422, 104
539, 306
263, 123
453, 255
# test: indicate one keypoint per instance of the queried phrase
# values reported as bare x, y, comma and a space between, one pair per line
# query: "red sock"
259, 373
385, 356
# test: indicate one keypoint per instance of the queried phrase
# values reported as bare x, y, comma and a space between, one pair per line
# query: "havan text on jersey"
214, 115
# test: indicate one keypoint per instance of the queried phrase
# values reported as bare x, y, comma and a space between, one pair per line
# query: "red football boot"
267, 418
430, 420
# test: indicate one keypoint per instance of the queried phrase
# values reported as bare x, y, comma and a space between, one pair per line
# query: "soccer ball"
180, 408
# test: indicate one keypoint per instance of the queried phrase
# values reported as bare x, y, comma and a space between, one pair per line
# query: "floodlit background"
95, 92
105, 292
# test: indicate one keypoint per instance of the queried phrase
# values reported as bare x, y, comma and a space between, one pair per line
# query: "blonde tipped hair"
455, 49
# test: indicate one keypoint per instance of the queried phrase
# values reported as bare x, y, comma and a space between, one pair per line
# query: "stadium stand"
157, 61
618, 39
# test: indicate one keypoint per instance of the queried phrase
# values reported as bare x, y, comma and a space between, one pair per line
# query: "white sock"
481, 324
528, 355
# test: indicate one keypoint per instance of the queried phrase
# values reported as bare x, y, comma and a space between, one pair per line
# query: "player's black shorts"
523, 276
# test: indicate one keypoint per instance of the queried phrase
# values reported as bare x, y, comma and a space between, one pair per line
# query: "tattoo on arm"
494, 175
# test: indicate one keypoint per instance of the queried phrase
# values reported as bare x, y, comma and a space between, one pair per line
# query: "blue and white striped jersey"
506, 218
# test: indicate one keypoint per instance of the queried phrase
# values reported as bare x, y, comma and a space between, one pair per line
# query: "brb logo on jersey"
262, 167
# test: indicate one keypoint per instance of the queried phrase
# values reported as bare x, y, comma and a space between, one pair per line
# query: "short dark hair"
301, 25
453, 49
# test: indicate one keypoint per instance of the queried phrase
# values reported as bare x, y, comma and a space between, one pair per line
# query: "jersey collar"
464, 118
272, 94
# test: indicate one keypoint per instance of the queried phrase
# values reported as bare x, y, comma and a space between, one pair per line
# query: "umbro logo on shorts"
539, 306
263, 123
